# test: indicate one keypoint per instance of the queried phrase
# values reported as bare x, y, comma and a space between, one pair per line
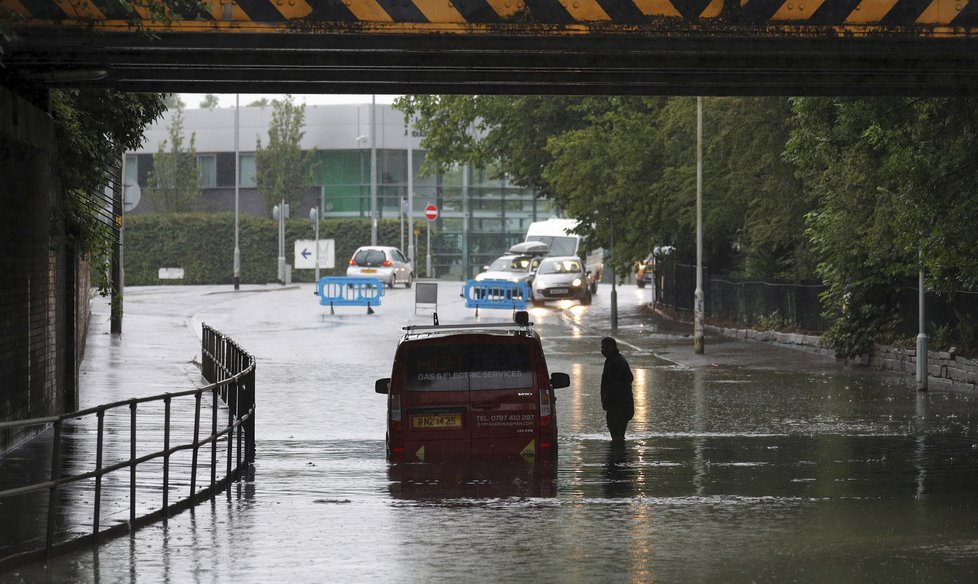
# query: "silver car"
560, 278
386, 263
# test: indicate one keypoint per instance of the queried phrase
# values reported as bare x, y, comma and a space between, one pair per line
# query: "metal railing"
231, 373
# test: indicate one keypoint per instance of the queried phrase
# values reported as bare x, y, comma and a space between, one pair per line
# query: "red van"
461, 391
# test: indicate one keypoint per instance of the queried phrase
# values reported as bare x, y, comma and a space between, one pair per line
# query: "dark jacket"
616, 385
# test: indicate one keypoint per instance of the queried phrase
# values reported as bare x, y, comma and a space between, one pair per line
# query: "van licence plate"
436, 421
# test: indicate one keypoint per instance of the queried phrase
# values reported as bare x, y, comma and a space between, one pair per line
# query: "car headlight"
576, 282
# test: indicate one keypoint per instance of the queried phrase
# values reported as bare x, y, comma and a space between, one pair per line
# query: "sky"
227, 99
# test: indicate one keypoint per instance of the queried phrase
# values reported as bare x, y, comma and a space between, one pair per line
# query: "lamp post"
410, 194
314, 218
373, 170
237, 188
921, 334
614, 276
698, 345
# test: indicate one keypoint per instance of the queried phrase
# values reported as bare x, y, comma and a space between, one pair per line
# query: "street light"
314, 218
360, 138
237, 188
698, 306
373, 170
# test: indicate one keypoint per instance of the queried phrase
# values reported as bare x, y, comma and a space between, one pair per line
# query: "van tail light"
546, 416
387, 264
396, 412
546, 411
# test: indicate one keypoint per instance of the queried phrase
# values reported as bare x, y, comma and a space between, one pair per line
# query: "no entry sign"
431, 212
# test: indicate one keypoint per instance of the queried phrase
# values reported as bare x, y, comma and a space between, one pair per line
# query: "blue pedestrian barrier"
350, 291
495, 294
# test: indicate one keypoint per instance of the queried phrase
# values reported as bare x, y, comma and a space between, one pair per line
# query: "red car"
470, 391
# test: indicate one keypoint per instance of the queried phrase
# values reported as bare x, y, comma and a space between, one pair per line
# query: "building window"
247, 170
207, 166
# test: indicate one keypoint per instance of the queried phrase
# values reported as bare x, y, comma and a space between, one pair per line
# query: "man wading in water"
616, 391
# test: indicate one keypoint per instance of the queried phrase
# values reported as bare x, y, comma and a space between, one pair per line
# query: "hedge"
203, 245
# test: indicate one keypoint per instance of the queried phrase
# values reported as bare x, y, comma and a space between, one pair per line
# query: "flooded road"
771, 466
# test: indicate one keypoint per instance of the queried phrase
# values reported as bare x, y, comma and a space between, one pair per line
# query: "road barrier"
349, 291
160, 436
495, 294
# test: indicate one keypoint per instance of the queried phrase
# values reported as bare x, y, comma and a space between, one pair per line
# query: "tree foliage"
174, 183
210, 102
627, 165
94, 129
896, 182
283, 171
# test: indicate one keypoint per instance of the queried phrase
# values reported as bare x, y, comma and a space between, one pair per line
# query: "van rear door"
436, 399
469, 394
502, 397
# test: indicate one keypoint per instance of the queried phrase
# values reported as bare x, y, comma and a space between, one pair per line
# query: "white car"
560, 278
386, 263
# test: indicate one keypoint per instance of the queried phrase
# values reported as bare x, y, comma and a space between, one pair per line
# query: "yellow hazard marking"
228, 10
530, 450
368, 10
797, 10
439, 11
941, 12
292, 8
506, 8
657, 8
871, 11
79, 8
713, 10
420, 454
585, 10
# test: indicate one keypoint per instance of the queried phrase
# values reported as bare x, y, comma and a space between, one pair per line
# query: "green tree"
210, 102
172, 101
283, 172
631, 163
896, 182
94, 129
174, 182
263, 102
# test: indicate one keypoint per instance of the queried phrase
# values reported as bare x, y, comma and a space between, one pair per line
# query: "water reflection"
483, 479
619, 473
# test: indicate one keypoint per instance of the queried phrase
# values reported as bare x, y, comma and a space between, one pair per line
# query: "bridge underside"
488, 63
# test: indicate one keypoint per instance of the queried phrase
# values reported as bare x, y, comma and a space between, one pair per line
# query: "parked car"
560, 278
459, 392
386, 263
512, 268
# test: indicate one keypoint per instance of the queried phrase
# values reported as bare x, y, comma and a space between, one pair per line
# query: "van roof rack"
521, 323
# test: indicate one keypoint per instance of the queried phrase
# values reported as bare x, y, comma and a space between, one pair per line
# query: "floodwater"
774, 466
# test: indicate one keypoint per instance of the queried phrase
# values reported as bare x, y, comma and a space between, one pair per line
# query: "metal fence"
96, 454
747, 303
798, 306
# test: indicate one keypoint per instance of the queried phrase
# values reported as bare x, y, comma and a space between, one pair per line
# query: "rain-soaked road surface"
753, 464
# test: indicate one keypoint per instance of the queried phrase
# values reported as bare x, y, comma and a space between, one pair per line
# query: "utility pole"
115, 300
237, 189
373, 171
698, 342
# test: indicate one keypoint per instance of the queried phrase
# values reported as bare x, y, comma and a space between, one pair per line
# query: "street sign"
305, 254
431, 212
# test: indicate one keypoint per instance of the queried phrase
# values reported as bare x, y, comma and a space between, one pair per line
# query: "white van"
559, 236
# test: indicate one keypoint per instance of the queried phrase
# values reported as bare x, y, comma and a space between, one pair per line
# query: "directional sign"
431, 212
305, 254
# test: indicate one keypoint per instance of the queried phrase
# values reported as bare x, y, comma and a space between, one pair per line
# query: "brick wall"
37, 275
